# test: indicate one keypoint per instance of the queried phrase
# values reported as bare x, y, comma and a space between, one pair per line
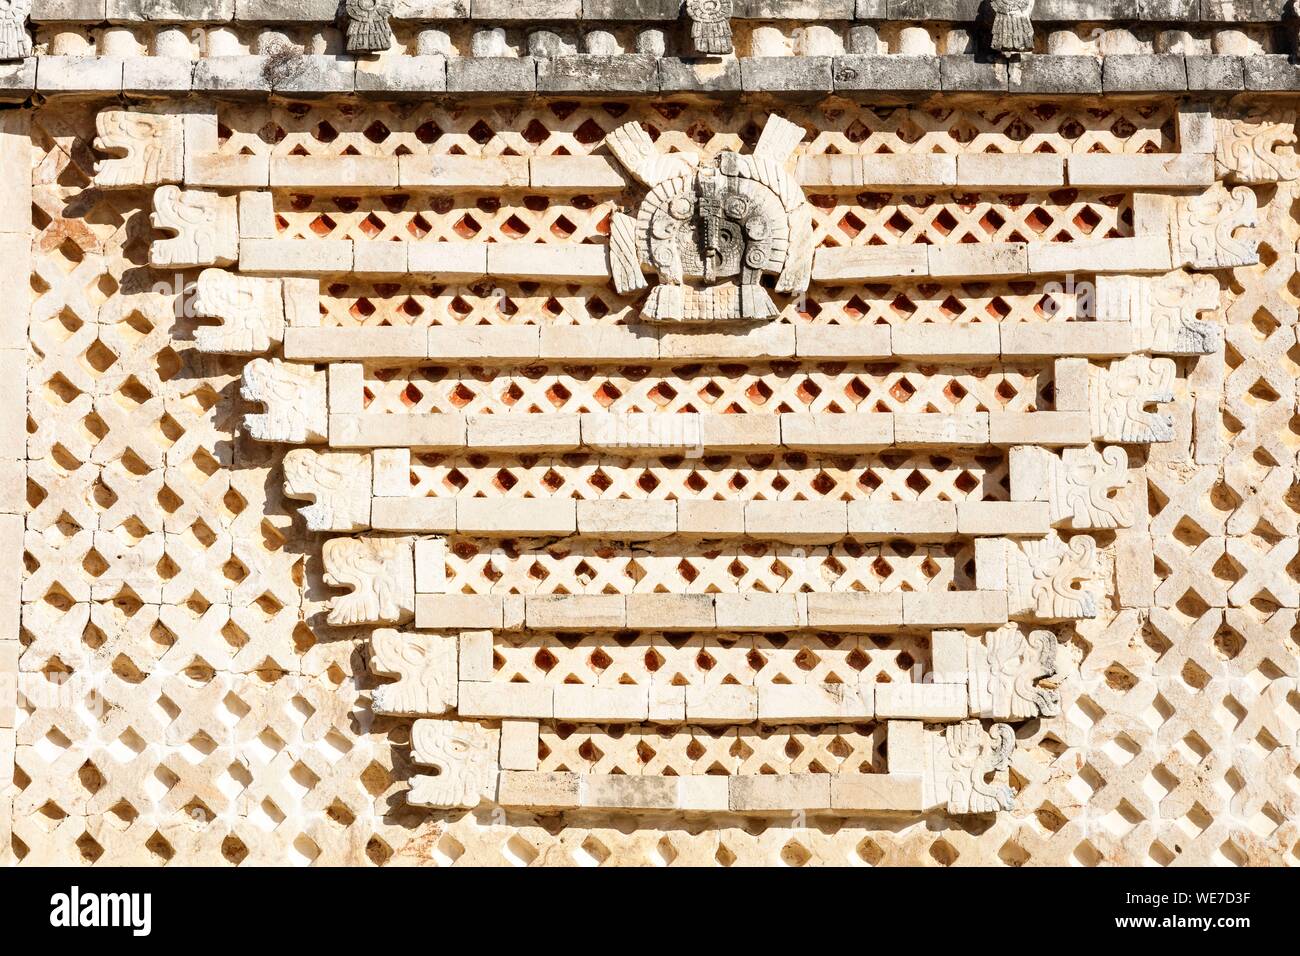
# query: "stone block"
799, 703
1056, 75
458, 611
866, 792
625, 792
711, 519
719, 432
594, 75
906, 743
849, 263
953, 609
521, 431
855, 611
519, 744
491, 74
933, 428
620, 703
721, 704
847, 433
397, 343
434, 515
538, 791
874, 519
448, 172
475, 661
516, 516
1003, 518
1040, 428
1010, 171
786, 74
968, 342
1143, 73
670, 611
895, 72
626, 519
755, 611
414, 431
780, 793
582, 612
977, 259
488, 699
489, 343
934, 702
796, 520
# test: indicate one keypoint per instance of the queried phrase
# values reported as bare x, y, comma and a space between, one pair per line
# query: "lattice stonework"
491, 482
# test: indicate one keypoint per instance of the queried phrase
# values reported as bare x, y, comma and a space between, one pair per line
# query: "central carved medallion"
712, 231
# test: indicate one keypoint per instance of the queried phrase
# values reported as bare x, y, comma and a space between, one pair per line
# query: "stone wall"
506, 434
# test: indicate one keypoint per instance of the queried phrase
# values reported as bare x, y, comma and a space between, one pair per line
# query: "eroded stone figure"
711, 231
1215, 229
368, 29
1080, 485
1164, 311
1122, 394
1013, 31
710, 25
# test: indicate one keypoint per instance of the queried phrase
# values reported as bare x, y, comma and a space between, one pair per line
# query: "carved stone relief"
379, 573
203, 225
1012, 29
465, 756
1081, 485
968, 767
1010, 675
1164, 311
711, 232
1206, 228
145, 149
15, 41
295, 399
425, 668
251, 311
1248, 151
337, 483
1123, 392
1050, 579
710, 25
367, 25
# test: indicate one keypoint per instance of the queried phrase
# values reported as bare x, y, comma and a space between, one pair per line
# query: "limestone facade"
573, 432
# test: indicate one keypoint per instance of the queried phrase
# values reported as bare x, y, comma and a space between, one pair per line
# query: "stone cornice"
644, 75
550, 11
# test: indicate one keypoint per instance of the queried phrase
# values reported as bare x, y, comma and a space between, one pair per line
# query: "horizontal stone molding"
977, 342
650, 434
498, 11
840, 612
640, 520
758, 794
889, 76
